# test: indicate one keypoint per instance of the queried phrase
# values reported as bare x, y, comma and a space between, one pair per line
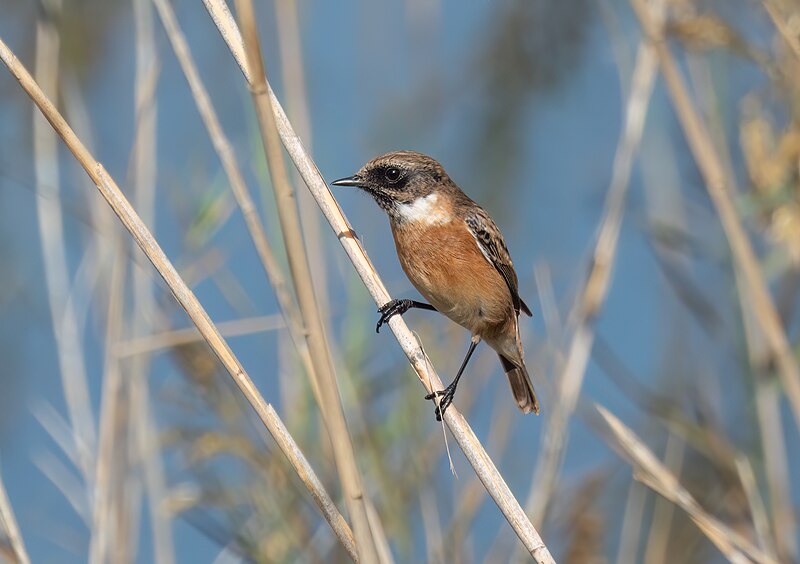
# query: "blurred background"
525, 104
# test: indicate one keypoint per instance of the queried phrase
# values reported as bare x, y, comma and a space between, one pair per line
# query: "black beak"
349, 181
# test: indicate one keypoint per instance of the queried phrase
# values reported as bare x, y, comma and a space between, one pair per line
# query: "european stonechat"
455, 256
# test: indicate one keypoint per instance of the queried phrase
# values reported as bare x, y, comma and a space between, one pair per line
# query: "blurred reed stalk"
293, 80
652, 472
791, 39
465, 437
767, 342
773, 438
115, 198
657, 547
332, 410
9, 524
69, 346
719, 186
595, 290
105, 510
176, 337
230, 166
145, 444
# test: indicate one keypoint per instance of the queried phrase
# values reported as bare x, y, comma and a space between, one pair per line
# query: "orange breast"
446, 266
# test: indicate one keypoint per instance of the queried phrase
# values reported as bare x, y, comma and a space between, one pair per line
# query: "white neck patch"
425, 210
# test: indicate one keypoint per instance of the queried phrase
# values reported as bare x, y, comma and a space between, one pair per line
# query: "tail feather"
521, 386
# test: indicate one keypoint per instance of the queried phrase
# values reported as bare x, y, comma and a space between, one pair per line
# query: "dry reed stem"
58, 429
472, 496
776, 464
145, 159
631, 528
596, 288
652, 472
756, 504
109, 417
230, 166
718, 186
431, 526
657, 547
294, 84
116, 199
9, 523
792, 40
379, 534
331, 406
51, 234
771, 433
465, 437
176, 337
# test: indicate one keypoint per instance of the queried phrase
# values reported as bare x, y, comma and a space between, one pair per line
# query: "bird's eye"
392, 174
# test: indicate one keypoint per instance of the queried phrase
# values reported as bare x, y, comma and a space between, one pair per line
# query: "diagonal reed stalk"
465, 437
332, 409
185, 297
649, 470
718, 185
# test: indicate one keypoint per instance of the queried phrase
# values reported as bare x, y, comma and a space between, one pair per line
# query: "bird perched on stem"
455, 256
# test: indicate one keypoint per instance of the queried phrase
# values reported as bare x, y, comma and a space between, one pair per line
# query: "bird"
455, 256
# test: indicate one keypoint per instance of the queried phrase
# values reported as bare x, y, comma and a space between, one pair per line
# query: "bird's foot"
394, 307
446, 396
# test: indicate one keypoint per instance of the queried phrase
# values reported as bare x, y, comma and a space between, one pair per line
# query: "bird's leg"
398, 307
449, 392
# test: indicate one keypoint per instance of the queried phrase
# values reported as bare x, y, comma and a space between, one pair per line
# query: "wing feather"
493, 247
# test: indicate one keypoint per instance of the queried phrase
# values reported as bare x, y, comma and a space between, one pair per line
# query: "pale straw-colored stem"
177, 337
185, 297
632, 518
657, 548
465, 437
8, 521
230, 166
772, 434
145, 159
591, 300
110, 420
791, 39
718, 186
69, 347
293, 80
744, 469
649, 470
332, 409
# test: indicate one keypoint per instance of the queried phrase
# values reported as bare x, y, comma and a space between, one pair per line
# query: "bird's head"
406, 184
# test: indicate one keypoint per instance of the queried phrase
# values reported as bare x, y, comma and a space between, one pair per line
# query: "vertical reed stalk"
292, 68
596, 288
230, 166
333, 412
145, 159
110, 420
51, 235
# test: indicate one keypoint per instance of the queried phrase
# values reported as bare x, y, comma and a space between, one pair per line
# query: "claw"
391, 308
447, 396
